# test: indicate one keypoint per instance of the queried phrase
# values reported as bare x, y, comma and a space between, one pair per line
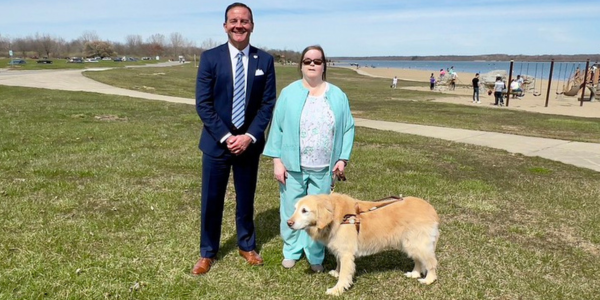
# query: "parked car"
44, 60
118, 59
76, 60
17, 61
91, 60
132, 59
146, 58
107, 58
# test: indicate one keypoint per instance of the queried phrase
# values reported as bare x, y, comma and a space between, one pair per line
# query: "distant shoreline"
483, 58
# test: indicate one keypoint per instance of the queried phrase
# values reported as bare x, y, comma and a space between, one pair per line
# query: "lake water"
562, 70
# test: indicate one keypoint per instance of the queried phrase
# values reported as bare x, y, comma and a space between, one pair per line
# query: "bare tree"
4, 45
120, 48
208, 44
177, 43
61, 48
45, 44
158, 39
189, 49
156, 44
89, 36
134, 44
23, 45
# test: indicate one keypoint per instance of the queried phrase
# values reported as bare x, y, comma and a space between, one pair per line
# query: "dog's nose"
290, 223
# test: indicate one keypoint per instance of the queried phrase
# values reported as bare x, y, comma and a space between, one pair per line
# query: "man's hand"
237, 144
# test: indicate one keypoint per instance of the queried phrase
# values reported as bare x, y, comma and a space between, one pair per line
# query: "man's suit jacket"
214, 98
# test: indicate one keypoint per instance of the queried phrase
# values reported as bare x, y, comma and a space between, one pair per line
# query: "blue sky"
342, 27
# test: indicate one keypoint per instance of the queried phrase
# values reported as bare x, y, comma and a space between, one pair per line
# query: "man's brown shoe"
252, 257
203, 266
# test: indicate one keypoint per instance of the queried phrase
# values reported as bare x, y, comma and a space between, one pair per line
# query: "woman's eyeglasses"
308, 61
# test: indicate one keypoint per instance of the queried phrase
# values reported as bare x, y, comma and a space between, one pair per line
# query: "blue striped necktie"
239, 93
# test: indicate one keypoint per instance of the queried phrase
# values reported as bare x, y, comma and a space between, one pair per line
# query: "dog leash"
339, 176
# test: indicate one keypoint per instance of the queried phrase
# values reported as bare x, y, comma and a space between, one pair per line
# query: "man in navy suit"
235, 96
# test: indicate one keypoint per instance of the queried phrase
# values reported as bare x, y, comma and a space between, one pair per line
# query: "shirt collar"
233, 51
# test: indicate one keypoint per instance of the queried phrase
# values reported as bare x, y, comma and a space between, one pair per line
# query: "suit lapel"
252, 66
228, 75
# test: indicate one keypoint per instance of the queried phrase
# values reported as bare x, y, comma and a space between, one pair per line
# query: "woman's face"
312, 65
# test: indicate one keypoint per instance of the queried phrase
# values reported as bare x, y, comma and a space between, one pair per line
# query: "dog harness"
355, 218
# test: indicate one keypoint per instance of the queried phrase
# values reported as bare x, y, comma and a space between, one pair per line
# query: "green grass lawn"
61, 63
99, 198
371, 98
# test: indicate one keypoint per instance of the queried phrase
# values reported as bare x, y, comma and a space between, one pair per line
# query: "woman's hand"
338, 170
340, 165
279, 170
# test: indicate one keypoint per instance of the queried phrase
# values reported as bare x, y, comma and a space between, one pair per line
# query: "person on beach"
453, 79
235, 96
431, 82
499, 86
394, 82
311, 138
475, 83
521, 82
515, 89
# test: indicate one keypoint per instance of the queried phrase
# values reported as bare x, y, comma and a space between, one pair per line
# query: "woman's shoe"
288, 263
317, 268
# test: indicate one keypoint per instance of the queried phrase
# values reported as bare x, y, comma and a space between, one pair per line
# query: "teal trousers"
298, 185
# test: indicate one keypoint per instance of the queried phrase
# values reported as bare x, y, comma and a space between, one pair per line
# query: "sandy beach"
557, 104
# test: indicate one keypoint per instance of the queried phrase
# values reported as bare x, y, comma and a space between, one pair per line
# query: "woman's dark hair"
314, 47
239, 4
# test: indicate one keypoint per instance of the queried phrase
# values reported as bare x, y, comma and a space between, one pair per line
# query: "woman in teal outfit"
311, 136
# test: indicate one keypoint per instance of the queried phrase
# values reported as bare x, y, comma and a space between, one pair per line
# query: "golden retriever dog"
352, 228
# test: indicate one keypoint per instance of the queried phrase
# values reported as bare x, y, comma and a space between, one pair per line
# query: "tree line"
89, 44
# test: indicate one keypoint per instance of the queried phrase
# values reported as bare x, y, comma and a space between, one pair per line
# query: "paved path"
585, 155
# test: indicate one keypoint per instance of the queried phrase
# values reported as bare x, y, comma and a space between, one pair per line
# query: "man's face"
238, 27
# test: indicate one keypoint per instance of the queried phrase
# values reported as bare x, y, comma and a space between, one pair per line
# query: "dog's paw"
413, 274
426, 281
334, 273
335, 291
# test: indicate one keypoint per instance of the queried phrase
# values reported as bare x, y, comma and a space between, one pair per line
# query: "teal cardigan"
283, 141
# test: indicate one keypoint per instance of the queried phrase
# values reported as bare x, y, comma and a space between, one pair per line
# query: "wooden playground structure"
579, 80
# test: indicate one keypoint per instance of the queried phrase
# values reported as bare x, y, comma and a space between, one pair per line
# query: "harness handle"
355, 218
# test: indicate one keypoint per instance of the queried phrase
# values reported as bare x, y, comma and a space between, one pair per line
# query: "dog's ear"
324, 211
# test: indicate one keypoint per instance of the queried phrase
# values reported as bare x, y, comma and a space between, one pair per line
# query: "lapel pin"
255, 56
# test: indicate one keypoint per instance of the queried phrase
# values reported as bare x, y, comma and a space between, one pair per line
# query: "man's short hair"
239, 4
